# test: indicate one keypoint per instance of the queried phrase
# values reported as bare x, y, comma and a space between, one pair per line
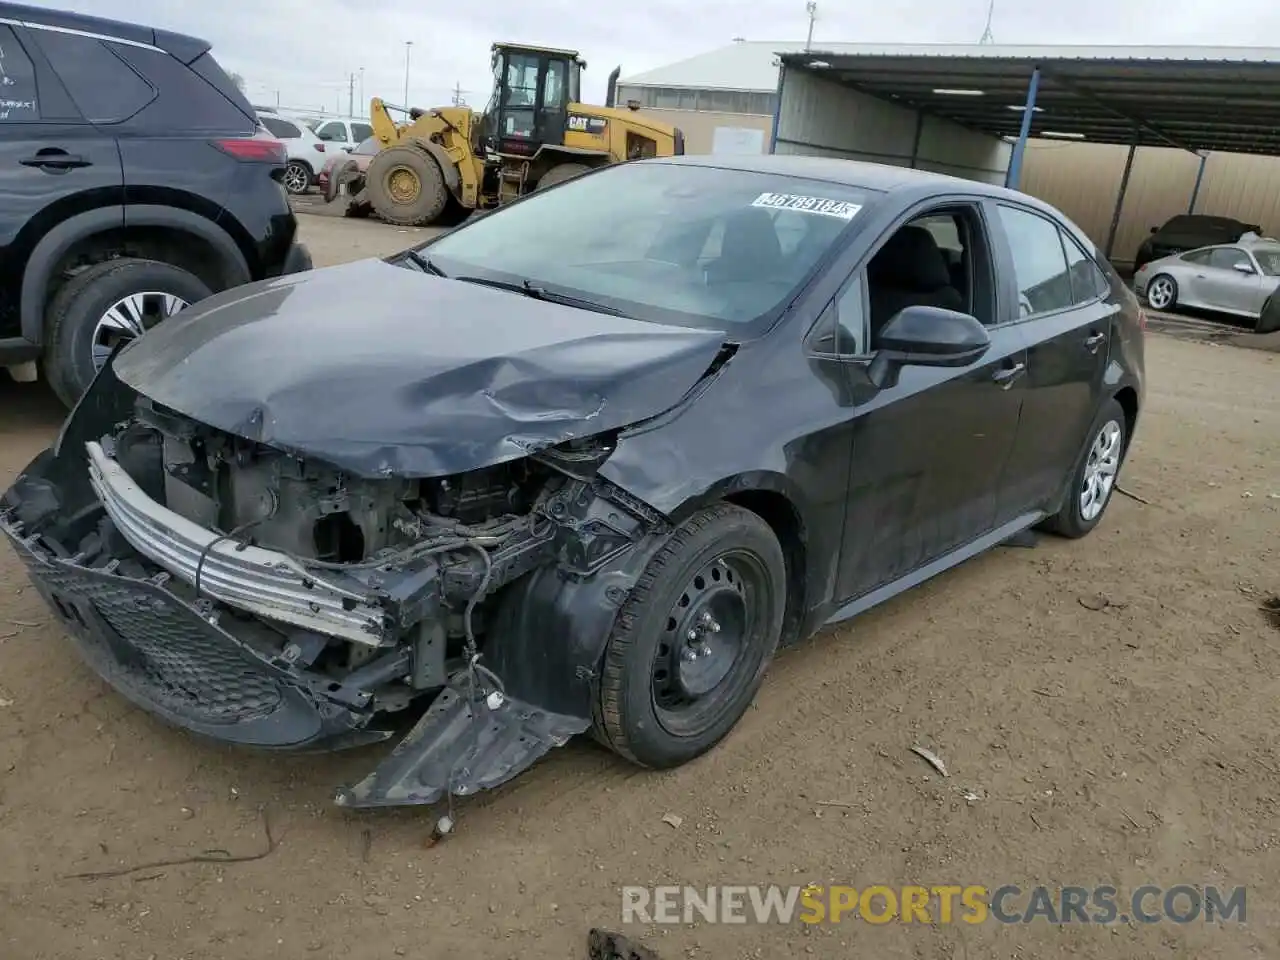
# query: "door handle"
1094, 342
58, 160
1007, 376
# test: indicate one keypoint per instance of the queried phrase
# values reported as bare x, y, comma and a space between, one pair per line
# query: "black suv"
134, 180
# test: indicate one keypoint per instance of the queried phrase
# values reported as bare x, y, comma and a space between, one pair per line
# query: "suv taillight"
253, 149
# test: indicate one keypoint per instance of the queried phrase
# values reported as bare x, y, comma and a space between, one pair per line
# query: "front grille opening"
338, 539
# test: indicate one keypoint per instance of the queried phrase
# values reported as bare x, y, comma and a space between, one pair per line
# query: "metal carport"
987, 99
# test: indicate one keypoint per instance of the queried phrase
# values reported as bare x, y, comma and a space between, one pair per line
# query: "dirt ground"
1108, 705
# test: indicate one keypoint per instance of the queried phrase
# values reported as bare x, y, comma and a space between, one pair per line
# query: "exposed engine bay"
355, 597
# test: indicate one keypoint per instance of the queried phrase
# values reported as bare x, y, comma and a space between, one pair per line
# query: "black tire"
298, 178
1269, 318
1072, 520
453, 215
718, 554
71, 319
393, 169
561, 173
1173, 299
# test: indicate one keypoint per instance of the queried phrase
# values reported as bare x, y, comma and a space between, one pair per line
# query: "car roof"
185, 48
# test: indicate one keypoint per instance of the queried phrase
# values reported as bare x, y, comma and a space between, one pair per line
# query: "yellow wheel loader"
446, 162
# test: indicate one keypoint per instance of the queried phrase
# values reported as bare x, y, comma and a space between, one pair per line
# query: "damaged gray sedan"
580, 465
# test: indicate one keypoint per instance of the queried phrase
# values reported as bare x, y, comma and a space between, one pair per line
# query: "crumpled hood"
381, 370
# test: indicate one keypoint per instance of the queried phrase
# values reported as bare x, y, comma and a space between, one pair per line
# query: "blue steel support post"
777, 109
1014, 175
1195, 191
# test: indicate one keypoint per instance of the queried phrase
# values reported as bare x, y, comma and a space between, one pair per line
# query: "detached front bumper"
221, 672
175, 661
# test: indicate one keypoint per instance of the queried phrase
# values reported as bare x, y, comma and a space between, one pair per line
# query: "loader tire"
406, 187
561, 173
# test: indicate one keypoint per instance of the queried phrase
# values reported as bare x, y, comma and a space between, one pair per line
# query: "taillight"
252, 149
319, 146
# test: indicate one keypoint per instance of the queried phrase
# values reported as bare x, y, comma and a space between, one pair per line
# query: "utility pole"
364, 104
987, 35
351, 95
408, 45
812, 9
458, 101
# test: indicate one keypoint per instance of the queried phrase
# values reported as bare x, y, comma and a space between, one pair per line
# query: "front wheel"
692, 642
1096, 474
406, 186
1269, 318
1162, 292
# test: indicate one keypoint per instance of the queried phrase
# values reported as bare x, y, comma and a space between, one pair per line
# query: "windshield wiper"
424, 263
538, 292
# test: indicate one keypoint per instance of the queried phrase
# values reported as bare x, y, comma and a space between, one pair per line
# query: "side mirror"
926, 337
1240, 266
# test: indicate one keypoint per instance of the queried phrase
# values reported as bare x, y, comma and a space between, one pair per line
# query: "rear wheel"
297, 177
406, 187
1095, 476
1269, 318
561, 173
1162, 292
692, 642
105, 305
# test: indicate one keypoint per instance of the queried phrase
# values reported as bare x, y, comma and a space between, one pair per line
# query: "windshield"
1268, 260
691, 245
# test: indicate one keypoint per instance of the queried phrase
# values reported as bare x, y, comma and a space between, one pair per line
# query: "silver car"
1235, 278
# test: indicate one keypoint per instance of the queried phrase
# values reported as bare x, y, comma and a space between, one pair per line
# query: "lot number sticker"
819, 205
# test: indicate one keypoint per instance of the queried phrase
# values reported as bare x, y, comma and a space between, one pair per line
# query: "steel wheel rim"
1100, 470
129, 318
402, 185
707, 633
295, 178
1160, 293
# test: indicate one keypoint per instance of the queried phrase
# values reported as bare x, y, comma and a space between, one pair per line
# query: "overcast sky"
305, 50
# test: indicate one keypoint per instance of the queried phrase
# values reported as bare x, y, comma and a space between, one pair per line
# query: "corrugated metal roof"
1195, 98
750, 65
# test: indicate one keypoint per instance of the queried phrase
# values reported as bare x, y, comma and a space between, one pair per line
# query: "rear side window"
209, 69
1039, 264
104, 87
18, 100
1087, 280
281, 128
331, 131
186, 102
1198, 256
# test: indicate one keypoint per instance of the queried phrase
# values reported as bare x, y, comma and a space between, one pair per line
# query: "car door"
1230, 281
1067, 316
929, 451
53, 163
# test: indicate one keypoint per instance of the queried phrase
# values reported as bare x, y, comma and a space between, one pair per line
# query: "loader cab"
532, 90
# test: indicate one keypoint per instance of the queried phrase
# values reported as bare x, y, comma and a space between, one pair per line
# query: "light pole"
408, 45
812, 9
364, 104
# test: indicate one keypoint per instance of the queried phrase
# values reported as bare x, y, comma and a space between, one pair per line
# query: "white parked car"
306, 151
342, 133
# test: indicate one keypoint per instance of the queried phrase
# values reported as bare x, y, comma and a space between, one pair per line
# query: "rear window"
186, 101
211, 71
698, 246
281, 128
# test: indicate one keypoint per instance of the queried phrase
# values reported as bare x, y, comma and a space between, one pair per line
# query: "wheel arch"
448, 169
1127, 397
185, 239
